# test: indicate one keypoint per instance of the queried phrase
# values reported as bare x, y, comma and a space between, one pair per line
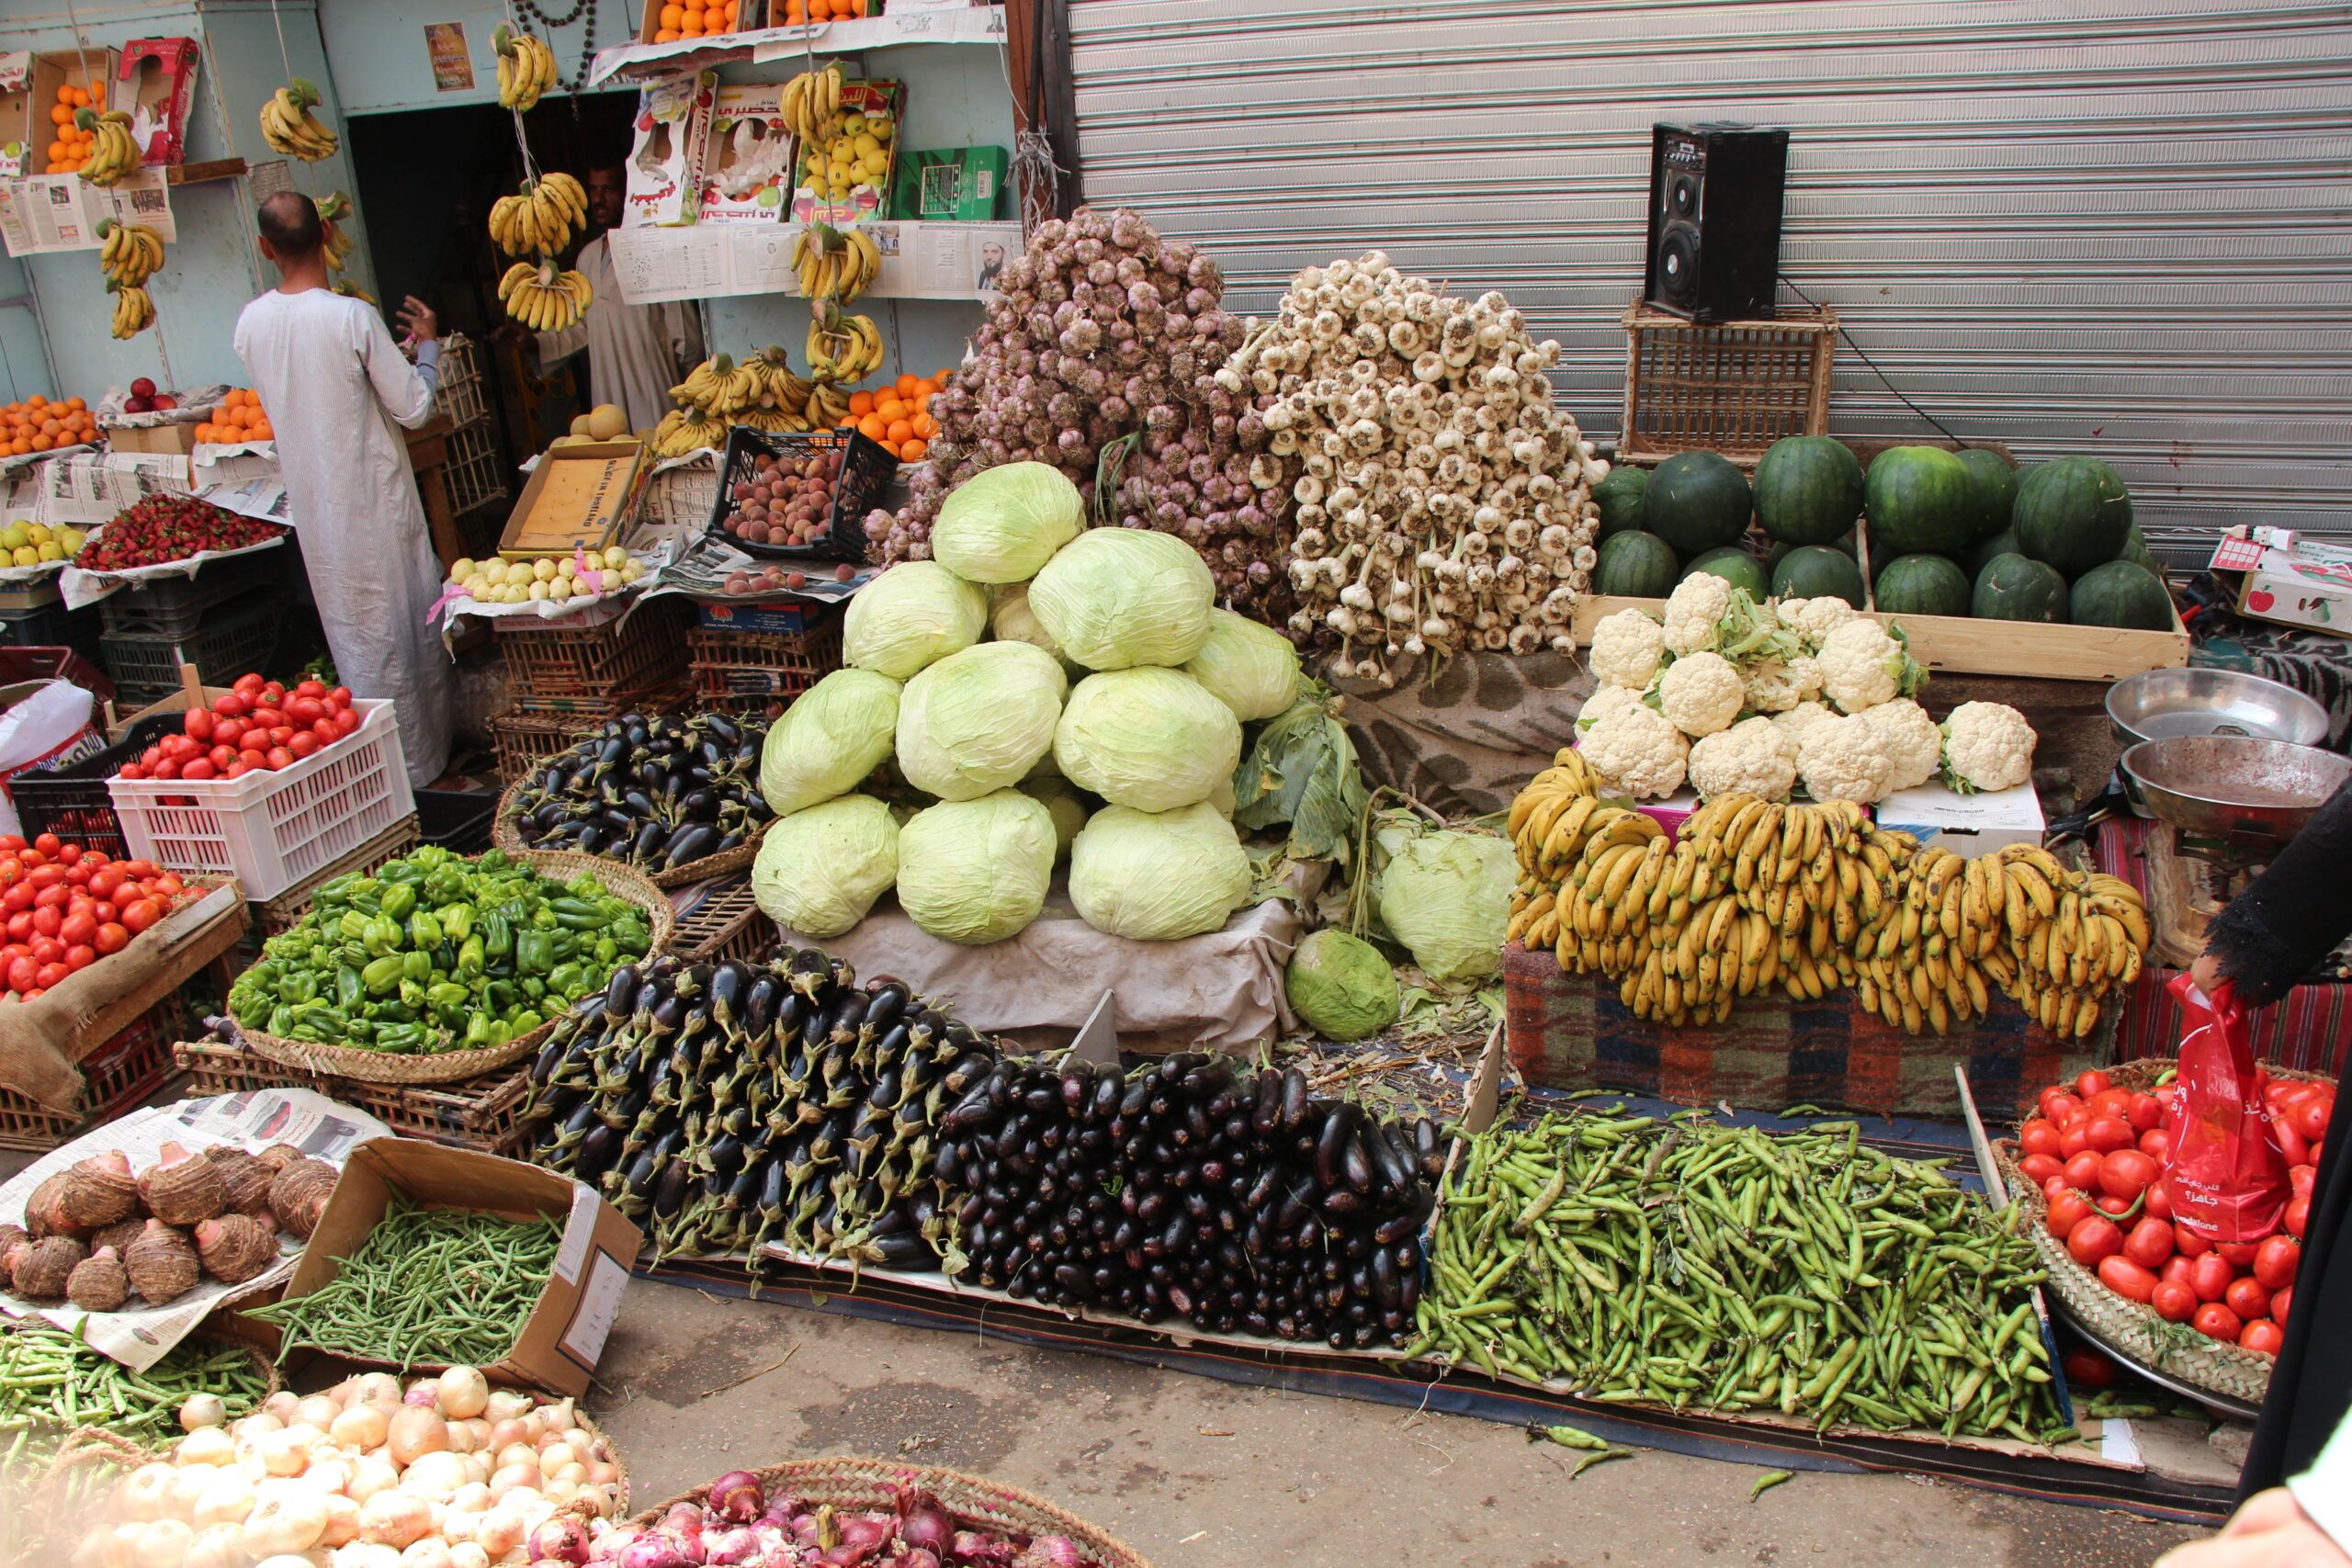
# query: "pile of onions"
445, 1473
740, 1524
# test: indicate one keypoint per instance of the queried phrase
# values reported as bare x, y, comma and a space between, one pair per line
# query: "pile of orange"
898, 416
797, 11
71, 148
37, 424
237, 417
692, 19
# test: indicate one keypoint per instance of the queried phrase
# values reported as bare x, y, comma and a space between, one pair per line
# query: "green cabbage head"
1061, 802
1446, 896
837, 732
1004, 522
819, 871
1014, 621
978, 720
1340, 987
1248, 666
1118, 597
914, 614
1155, 876
974, 871
1146, 738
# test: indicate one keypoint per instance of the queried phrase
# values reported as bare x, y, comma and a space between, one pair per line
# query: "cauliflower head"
1753, 757
1637, 752
1986, 746
1604, 700
1813, 619
1841, 758
1627, 649
1692, 610
1777, 685
1915, 747
1862, 666
1701, 694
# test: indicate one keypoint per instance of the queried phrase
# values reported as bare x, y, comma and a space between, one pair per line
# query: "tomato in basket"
256, 724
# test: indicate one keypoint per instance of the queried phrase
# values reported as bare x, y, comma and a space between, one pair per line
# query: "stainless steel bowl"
2257, 793
2161, 704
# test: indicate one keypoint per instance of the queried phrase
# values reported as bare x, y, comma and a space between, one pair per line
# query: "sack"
2227, 1178
43, 726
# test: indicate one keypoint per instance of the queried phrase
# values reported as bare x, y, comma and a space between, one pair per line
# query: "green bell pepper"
348, 991
497, 936
478, 1027
471, 958
534, 952
382, 975
382, 936
423, 930
408, 870
456, 920
300, 986
416, 967
401, 1037
352, 926
605, 951
399, 898
281, 1021
525, 1022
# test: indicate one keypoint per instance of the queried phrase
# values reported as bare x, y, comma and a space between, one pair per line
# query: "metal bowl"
2254, 792
2161, 704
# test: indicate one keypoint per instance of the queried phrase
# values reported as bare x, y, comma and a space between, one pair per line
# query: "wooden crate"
115, 1076
724, 922
1728, 387
473, 1113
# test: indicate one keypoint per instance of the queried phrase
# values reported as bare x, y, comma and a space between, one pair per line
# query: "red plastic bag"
2228, 1178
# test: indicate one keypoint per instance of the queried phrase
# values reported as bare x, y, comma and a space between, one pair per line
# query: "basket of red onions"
841, 1513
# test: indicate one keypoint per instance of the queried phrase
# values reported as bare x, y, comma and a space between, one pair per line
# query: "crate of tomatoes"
63, 908
264, 783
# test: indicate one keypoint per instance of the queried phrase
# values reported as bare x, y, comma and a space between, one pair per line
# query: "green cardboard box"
955, 185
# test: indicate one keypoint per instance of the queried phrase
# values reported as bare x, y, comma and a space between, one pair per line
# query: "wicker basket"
478, 1113
504, 835
448, 1066
1732, 388
724, 921
975, 1503
2174, 1349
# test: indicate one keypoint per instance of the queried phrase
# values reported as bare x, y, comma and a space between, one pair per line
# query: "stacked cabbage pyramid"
1031, 671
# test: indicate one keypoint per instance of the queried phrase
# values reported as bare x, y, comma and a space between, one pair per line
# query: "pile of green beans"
443, 1286
1684, 1263
52, 1381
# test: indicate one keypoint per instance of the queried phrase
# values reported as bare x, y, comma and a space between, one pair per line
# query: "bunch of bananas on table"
843, 349
812, 101
525, 68
1810, 897
541, 220
134, 311
114, 153
333, 208
835, 264
289, 127
760, 392
130, 253
543, 298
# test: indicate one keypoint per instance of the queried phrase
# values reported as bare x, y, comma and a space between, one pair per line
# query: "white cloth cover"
335, 382
635, 352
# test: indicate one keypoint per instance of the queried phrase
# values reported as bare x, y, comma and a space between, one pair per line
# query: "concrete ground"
1196, 1473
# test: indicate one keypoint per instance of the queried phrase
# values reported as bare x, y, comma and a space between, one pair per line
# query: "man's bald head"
290, 229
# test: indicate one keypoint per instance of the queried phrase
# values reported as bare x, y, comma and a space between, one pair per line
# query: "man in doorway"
335, 386
636, 353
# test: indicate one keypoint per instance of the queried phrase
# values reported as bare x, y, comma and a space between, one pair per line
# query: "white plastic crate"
270, 830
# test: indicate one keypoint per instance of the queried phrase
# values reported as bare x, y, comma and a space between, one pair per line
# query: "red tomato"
274, 693
102, 911
249, 682
232, 704
2115, 1102
2189, 1243
2176, 1269
46, 919
2149, 1243
132, 770
20, 926
268, 717
2082, 1171
280, 734
2108, 1203
251, 745
2126, 1172
139, 915
311, 688
2237, 1254
2247, 1298
2040, 1169
2066, 1213
305, 711
2173, 1301
2291, 1144
2106, 1134
2279, 1301
23, 974
199, 767
340, 696
2074, 1136
137, 869
2300, 1178
2156, 1144
80, 956
2093, 1083
2209, 1277
180, 747
51, 974
2054, 1102
47, 949
71, 854
327, 732
198, 723
2127, 1278
2310, 1114
229, 731
2145, 1112
237, 769
18, 895
2094, 1241
49, 843
2262, 1336
2299, 1215
279, 757
53, 896
111, 938
77, 927
169, 881
303, 744
2275, 1262
346, 721
2038, 1136
2087, 1369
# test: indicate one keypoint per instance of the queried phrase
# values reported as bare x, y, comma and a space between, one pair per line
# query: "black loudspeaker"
1716, 219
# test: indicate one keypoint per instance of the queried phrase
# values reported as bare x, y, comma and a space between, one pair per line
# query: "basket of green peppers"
435, 966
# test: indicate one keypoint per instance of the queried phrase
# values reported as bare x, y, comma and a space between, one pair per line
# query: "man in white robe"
636, 353
334, 384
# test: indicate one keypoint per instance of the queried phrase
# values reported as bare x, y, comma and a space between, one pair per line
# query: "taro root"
300, 1194
44, 1211
120, 1235
243, 1179
98, 1282
9, 1236
181, 1189
99, 1190
161, 1264
278, 1157
235, 1248
42, 1268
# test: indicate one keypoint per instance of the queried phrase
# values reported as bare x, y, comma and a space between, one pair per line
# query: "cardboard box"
764, 620
747, 156
28, 84
2287, 578
562, 1339
862, 202
956, 185
1967, 825
576, 499
179, 436
665, 161
155, 86
751, 16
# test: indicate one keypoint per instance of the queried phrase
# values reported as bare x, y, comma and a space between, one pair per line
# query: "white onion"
225, 1501
203, 1410
319, 1410
427, 1553
394, 1518
555, 1456
146, 1493
376, 1388
510, 1476
367, 1555
206, 1445
466, 1555
506, 1404
370, 1475
415, 1432
283, 1404
361, 1426
217, 1546
288, 1452
187, 1484
284, 1520
343, 1520
434, 1476
464, 1392
164, 1543
499, 1532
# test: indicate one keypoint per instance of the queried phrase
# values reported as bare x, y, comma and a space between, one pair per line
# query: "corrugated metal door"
2116, 229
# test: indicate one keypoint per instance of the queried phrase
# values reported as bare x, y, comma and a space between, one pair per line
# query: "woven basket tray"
2173, 1348
866, 1484
507, 837
448, 1066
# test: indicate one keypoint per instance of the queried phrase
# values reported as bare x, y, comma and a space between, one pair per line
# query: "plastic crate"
866, 471
459, 394
472, 475
115, 1076
1728, 387
272, 830
766, 666
175, 606
473, 1113
727, 922
54, 625
600, 668
284, 912
60, 663
73, 802
232, 640
17, 597
456, 819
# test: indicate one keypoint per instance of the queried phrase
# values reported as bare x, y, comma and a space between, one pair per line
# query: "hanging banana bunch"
827, 406
289, 127
130, 253
525, 68
835, 264
842, 349
114, 155
719, 386
134, 311
811, 102
351, 291
543, 298
333, 208
784, 396
542, 220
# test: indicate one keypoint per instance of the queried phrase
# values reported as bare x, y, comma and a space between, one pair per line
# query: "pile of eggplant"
1232, 1200
656, 793
725, 1106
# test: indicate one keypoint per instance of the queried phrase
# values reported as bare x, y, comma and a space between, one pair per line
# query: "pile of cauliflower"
1743, 698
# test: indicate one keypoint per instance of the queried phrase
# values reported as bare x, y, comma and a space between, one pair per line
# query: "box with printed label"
2290, 580
845, 178
955, 185
1966, 824
747, 156
40, 95
155, 86
665, 160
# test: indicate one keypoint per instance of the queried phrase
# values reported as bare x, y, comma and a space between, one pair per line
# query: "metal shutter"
2112, 229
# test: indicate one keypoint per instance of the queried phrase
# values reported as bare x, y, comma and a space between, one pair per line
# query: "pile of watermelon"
1951, 533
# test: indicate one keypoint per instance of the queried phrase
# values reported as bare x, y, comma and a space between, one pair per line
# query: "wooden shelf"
967, 25
196, 174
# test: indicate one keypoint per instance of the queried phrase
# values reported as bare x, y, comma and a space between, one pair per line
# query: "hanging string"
294, 167
1034, 169
82, 50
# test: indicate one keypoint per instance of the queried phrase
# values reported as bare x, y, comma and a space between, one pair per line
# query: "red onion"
922, 1521
732, 1548
562, 1538
915, 1557
978, 1550
425, 1395
683, 1519
651, 1552
737, 1496
1052, 1552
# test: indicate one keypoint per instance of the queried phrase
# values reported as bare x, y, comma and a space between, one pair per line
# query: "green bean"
1767, 1481
52, 1381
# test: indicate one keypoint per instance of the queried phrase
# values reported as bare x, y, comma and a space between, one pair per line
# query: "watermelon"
1919, 499
1997, 488
1635, 565
1808, 489
1696, 502
1733, 565
2012, 588
1922, 585
1846, 545
2121, 593
2004, 543
2135, 548
1620, 499
1817, 571
2073, 512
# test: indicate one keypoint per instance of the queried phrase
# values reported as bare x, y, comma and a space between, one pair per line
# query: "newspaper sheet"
44, 214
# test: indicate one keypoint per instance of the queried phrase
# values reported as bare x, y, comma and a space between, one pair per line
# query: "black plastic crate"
175, 606
866, 471
72, 802
19, 664
457, 819
234, 639
54, 625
